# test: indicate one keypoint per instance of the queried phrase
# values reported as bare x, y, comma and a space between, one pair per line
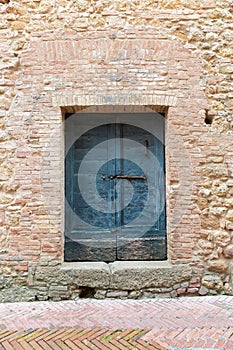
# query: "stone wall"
61, 56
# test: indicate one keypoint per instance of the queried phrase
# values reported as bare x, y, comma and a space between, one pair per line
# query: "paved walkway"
184, 323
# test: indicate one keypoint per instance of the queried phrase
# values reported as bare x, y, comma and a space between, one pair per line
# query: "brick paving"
165, 324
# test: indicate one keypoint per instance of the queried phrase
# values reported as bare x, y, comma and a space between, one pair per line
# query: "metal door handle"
127, 177
130, 177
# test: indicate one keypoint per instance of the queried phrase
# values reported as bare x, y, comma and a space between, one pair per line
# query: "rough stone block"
137, 275
228, 251
94, 275
118, 294
212, 282
218, 266
203, 290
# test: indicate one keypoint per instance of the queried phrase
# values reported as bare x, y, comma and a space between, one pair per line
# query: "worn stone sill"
126, 275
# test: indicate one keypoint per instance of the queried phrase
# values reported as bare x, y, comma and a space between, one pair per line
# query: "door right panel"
142, 233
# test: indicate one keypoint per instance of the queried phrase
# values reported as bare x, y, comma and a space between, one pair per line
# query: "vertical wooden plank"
111, 172
118, 170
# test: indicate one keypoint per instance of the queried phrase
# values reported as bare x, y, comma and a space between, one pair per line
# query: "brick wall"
170, 56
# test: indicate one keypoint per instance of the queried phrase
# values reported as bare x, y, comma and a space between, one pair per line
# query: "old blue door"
115, 190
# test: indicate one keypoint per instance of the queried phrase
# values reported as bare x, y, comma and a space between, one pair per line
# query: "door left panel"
90, 212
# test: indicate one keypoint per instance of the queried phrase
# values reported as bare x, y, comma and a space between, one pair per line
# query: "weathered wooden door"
115, 192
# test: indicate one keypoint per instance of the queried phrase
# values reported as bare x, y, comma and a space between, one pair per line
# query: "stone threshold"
126, 275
